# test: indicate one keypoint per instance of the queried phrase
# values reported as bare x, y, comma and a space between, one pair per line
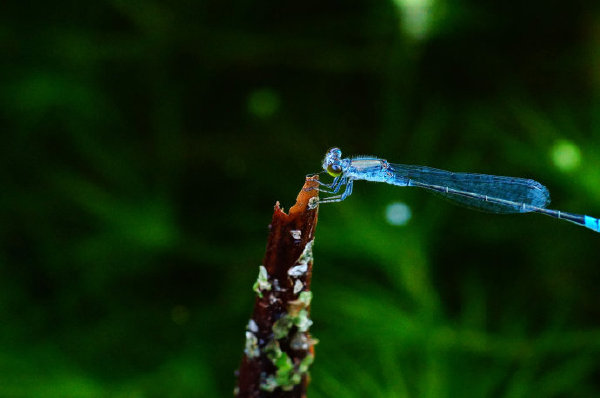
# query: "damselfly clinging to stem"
490, 193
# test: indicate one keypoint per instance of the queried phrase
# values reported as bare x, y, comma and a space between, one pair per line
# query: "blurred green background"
145, 144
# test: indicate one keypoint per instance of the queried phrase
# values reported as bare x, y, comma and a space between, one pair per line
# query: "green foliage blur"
145, 144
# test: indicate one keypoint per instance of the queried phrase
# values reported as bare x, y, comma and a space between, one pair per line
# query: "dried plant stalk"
279, 348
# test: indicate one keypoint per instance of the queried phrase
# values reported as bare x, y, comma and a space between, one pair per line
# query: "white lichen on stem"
287, 374
251, 348
302, 264
262, 281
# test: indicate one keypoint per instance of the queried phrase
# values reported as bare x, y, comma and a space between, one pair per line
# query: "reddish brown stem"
279, 348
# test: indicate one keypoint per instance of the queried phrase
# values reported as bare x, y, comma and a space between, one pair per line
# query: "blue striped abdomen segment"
579, 219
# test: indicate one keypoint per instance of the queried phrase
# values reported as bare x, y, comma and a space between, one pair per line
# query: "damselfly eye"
335, 152
334, 170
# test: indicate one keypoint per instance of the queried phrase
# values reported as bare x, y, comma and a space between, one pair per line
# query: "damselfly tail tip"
592, 223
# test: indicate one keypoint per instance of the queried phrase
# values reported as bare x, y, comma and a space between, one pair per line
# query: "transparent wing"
496, 194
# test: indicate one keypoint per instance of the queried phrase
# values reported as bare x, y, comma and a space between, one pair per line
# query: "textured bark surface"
279, 348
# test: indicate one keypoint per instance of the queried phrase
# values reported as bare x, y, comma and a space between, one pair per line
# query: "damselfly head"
335, 153
332, 162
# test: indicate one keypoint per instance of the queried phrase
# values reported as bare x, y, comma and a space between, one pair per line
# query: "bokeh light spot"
566, 156
397, 213
263, 103
416, 17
